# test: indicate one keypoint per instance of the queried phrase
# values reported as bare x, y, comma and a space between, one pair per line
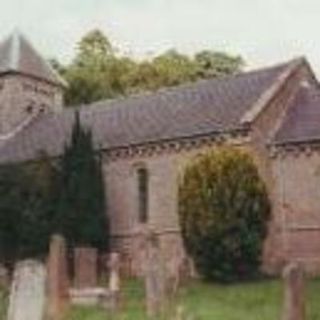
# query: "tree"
81, 215
43, 197
90, 74
223, 210
11, 206
174, 68
26, 209
98, 71
94, 48
142, 77
212, 64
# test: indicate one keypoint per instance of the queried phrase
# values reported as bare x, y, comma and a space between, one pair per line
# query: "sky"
263, 32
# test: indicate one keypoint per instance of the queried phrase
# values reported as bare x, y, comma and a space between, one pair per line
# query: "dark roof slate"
18, 55
302, 121
203, 108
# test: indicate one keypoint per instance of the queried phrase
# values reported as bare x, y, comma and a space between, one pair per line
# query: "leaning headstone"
294, 294
85, 267
154, 275
58, 281
27, 296
114, 280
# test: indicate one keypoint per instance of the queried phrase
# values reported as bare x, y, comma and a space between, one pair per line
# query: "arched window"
143, 190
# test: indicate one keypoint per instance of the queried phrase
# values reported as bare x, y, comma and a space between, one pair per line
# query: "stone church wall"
298, 206
164, 170
22, 96
165, 167
263, 130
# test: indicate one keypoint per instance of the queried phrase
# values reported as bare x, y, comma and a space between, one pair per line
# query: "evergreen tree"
224, 211
26, 210
81, 206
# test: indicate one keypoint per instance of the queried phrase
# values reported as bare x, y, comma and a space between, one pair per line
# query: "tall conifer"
81, 205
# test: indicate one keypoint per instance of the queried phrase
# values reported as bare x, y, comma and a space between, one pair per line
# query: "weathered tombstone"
294, 294
85, 267
114, 280
154, 275
27, 296
58, 281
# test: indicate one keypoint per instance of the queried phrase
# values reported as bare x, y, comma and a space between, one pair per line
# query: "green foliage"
90, 75
81, 198
44, 197
216, 64
174, 68
223, 210
26, 210
94, 48
99, 72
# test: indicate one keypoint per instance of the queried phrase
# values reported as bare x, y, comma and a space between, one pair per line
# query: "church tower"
28, 84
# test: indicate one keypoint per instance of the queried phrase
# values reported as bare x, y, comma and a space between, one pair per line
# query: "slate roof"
202, 108
302, 121
17, 55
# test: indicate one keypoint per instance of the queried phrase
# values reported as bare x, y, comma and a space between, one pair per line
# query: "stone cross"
294, 294
85, 267
27, 295
58, 280
114, 280
154, 275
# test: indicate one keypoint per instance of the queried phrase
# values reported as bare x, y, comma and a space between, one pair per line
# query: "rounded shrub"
224, 210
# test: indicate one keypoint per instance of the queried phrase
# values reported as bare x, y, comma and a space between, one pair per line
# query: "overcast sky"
262, 31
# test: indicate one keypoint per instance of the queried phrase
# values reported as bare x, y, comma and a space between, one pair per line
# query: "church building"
146, 140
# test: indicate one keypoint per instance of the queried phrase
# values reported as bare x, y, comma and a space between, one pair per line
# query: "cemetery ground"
260, 300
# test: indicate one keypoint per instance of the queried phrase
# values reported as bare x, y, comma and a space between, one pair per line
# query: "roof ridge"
270, 92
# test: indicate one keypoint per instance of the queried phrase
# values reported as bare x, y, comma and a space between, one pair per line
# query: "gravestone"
114, 280
58, 281
294, 294
85, 267
154, 275
27, 296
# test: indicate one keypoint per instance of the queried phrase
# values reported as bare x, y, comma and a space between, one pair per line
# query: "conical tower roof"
17, 55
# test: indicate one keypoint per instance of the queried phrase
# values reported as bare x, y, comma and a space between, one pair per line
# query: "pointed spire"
17, 55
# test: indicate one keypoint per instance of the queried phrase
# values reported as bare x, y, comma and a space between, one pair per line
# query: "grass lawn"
246, 301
